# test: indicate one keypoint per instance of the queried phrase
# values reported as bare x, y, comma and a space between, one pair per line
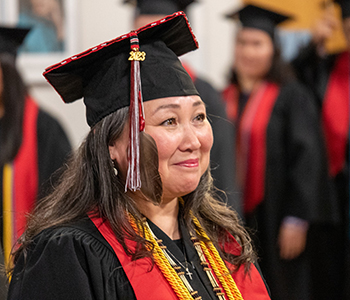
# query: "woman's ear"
113, 152
118, 151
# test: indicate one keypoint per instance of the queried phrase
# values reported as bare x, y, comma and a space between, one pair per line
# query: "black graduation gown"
76, 262
295, 175
222, 152
329, 240
53, 149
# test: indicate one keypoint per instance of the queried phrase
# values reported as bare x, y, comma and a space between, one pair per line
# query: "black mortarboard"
345, 8
157, 7
11, 38
260, 18
113, 74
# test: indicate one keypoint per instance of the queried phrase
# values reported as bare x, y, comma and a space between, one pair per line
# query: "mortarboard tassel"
137, 123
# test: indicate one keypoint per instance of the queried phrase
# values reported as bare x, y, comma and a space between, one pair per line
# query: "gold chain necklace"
178, 270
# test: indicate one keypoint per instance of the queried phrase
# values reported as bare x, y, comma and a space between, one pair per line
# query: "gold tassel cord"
206, 252
217, 264
164, 265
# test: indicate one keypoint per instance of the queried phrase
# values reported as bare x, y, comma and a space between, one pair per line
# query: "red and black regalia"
280, 165
85, 259
279, 161
328, 77
43, 151
41, 145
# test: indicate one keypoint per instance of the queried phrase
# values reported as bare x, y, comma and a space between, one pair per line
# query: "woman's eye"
169, 122
200, 117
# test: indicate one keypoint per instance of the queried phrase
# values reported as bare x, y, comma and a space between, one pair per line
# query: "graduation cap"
260, 18
156, 7
139, 66
345, 8
11, 38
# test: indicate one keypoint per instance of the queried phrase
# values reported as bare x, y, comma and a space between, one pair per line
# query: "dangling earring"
115, 169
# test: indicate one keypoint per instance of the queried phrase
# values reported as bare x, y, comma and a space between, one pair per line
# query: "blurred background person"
328, 77
33, 144
279, 151
45, 18
222, 154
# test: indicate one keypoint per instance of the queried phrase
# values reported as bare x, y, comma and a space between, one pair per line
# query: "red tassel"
136, 120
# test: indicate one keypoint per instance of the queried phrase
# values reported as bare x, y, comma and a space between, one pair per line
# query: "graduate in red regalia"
134, 216
280, 153
328, 77
33, 144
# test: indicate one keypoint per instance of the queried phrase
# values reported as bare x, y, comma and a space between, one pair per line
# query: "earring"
114, 168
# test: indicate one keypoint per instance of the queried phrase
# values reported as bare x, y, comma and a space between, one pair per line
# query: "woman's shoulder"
68, 262
82, 232
78, 243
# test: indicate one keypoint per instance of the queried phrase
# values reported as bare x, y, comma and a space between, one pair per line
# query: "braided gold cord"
207, 249
218, 265
163, 264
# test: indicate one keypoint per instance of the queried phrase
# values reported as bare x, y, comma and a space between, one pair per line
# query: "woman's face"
184, 138
253, 53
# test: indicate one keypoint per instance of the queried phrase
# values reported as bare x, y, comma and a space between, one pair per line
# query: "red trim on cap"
118, 39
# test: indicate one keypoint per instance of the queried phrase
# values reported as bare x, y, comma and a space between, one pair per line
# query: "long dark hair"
13, 99
89, 184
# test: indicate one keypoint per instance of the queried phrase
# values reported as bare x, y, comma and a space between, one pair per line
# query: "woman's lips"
189, 163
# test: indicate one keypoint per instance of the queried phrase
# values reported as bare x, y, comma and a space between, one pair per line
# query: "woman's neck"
248, 84
164, 216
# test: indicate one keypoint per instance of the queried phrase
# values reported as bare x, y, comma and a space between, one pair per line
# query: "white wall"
99, 20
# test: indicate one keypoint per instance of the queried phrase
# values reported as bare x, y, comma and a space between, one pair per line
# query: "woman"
327, 76
279, 153
33, 144
106, 233
46, 18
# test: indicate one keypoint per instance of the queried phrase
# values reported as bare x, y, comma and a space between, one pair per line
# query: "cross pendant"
188, 273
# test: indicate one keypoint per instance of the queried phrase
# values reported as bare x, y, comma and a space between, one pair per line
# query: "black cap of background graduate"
345, 8
11, 39
159, 7
139, 66
260, 18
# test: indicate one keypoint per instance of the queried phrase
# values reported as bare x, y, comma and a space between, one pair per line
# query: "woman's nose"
190, 140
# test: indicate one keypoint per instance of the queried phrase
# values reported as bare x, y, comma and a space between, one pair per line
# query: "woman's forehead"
173, 102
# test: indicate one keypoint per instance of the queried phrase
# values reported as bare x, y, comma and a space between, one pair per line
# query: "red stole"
251, 139
21, 180
153, 285
146, 283
250, 285
335, 113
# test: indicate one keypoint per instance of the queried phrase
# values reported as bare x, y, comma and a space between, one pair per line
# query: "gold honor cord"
205, 251
217, 264
163, 264
7, 213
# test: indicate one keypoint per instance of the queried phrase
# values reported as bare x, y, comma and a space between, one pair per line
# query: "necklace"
206, 252
169, 256
188, 273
